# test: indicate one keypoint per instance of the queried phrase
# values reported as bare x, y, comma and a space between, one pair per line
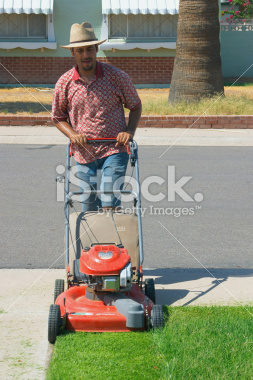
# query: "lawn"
196, 343
237, 101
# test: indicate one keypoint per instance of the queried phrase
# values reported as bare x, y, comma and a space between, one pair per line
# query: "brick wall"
33, 69
156, 121
47, 70
152, 70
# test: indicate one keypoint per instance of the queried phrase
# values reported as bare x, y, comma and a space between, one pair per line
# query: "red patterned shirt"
95, 108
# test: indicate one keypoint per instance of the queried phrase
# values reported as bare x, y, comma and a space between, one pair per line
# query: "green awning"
27, 6
140, 7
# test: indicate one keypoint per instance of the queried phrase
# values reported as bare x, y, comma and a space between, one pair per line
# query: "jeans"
113, 168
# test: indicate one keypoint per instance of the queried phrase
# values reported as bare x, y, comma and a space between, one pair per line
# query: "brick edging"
156, 121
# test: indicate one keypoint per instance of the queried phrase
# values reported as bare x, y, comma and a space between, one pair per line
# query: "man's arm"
67, 130
60, 114
134, 117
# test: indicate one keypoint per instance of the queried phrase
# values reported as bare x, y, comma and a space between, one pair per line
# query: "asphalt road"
216, 233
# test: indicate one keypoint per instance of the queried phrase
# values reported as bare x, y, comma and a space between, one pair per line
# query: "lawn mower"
103, 257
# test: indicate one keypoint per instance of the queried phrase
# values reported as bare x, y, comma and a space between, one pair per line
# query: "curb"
44, 135
155, 121
48, 359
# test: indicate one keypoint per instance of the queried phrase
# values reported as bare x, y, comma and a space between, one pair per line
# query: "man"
88, 103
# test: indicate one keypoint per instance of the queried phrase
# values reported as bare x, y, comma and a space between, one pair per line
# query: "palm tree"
197, 68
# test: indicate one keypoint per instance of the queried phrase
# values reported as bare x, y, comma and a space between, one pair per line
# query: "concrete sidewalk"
144, 136
25, 296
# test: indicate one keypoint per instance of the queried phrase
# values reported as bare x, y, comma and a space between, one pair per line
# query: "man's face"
85, 57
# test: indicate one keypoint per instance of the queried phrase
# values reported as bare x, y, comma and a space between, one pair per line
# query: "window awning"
140, 7
26, 6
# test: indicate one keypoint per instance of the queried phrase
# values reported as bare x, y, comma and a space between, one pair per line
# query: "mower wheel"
157, 320
150, 289
58, 288
54, 322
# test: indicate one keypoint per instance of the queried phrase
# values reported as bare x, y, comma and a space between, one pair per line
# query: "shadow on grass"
28, 107
166, 315
168, 276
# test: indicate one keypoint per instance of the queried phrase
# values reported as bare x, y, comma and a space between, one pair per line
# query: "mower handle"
101, 140
104, 139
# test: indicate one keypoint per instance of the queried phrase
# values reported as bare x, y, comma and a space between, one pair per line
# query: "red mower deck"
83, 314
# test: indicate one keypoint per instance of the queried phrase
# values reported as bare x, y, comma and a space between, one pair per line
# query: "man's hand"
79, 139
123, 138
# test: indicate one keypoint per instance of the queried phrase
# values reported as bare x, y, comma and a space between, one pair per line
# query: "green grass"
233, 103
237, 101
196, 343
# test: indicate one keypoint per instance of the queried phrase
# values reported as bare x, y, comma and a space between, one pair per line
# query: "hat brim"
80, 44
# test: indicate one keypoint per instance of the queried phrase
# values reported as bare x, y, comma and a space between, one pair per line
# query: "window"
32, 26
143, 24
130, 27
27, 24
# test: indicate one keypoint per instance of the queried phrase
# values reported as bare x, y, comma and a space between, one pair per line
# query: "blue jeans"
112, 168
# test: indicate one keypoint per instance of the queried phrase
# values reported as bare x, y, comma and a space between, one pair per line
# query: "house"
141, 39
236, 49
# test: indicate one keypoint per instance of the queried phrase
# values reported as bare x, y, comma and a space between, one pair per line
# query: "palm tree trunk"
197, 68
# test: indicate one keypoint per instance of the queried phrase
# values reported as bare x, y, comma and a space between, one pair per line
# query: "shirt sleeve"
60, 103
131, 98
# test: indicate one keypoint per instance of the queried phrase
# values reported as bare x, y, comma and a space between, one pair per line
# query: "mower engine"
107, 267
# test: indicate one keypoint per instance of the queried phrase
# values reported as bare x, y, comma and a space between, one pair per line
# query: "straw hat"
82, 35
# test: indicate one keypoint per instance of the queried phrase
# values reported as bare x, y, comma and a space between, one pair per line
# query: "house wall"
237, 54
154, 67
35, 66
236, 50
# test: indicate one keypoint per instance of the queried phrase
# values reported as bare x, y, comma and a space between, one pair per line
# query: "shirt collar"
99, 71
